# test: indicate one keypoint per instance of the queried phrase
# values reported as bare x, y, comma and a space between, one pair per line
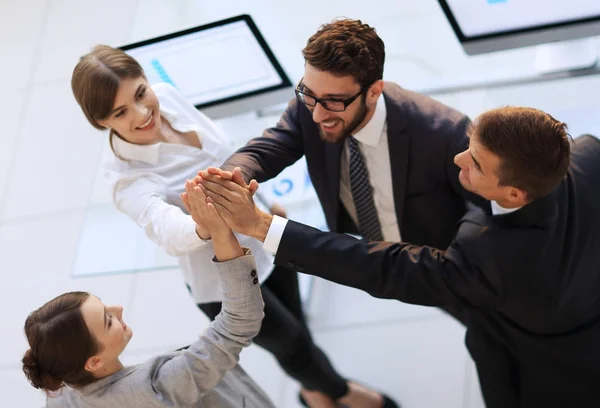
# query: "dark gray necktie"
362, 194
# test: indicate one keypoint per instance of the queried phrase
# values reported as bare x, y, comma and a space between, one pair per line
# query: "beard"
347, 130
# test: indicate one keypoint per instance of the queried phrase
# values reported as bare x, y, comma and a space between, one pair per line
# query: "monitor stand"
566, 56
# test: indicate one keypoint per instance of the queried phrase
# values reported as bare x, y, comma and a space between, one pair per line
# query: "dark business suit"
423, 138
529, 282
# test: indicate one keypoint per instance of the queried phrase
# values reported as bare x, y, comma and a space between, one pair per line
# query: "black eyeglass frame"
323, 101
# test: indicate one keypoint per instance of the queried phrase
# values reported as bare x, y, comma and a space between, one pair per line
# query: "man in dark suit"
527, 276
379, 156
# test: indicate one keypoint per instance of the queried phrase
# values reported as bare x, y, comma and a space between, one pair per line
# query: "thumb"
253, 186
238, 178
186, 202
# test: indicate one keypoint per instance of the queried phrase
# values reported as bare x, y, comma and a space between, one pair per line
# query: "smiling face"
135, 115
479, 169
107, 327
335, 127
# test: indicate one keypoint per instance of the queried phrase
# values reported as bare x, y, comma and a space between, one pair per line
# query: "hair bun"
35, 375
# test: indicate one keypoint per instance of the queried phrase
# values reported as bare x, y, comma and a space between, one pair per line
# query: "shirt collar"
371, 133
499, 210
145, 153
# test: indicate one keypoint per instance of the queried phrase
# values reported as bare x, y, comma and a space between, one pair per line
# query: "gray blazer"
206, 374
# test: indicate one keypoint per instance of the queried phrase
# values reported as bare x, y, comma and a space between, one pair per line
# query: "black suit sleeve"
279, 147
459, 142
409, 273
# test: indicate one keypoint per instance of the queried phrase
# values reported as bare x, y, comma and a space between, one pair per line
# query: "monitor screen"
214, 63
492, 25
483, 17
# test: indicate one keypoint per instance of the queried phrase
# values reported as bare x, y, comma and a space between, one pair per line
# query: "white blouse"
147, 181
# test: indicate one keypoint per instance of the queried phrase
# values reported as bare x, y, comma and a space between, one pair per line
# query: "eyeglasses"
333, 105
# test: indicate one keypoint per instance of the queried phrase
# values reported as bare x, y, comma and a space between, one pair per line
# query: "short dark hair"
533, 147
60, 344
347, 47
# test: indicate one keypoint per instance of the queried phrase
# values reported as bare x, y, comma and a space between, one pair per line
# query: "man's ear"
374, 91
517, 197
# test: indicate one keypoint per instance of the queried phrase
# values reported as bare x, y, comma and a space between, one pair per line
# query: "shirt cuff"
191, 236
275, 234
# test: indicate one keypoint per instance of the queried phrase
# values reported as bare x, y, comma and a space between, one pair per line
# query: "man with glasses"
380, 157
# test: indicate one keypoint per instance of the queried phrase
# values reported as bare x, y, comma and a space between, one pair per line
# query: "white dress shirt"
373, 144
499, 210
147, 183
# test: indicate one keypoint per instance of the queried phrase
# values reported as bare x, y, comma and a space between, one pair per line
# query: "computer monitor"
224, 68
484, 26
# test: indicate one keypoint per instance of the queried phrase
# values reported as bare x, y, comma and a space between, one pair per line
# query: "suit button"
300, 268
291, 265
255, 281
253, 273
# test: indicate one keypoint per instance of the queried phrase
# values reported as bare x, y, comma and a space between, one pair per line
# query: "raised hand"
225, 244
233, 200
197, 204
201, 229
235, 176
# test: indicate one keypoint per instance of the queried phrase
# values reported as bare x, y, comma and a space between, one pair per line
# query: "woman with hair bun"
75, 342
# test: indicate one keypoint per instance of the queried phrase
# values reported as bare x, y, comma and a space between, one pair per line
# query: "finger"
186, 202
210, 172
253, 186
238, 178
191, 198
192, 190
223, 212
233, 186
215, 197
201, 195
209, 176
188, 186
195, 194
212, 211
219, 189
197, 180
226, 175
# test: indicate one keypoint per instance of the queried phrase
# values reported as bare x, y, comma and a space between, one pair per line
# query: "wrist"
222, 235
262, 226
226, 245
202, 233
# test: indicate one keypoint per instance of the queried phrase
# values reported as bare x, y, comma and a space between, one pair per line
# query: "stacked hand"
204, 213
232, 199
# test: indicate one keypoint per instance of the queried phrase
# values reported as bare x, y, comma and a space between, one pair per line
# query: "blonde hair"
96, 79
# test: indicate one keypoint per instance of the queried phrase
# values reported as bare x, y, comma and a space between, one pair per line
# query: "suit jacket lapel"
398, 145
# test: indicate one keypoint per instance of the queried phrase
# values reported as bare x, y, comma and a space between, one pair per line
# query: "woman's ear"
93, 364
